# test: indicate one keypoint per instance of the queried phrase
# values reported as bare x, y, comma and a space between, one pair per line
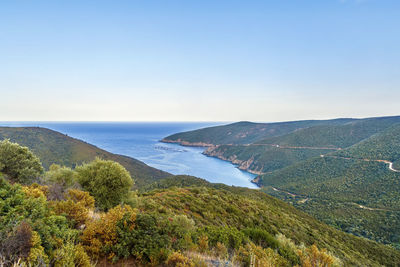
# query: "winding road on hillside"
390, 164
285, 146
305, 199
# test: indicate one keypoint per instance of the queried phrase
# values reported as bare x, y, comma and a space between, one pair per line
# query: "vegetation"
334, 171
362, 195
263, 158
56, 148
245, 132
382, 146
178, 221
335, 136
332, 189
18, 162
109, 182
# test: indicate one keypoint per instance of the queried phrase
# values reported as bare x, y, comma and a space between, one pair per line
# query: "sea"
141, 140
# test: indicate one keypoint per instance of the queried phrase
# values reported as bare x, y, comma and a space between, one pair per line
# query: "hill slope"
359, 188
217, 204
277, 152
337, 172
244, 132
54, 147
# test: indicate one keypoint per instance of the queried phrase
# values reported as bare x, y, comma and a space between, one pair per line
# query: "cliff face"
249, 165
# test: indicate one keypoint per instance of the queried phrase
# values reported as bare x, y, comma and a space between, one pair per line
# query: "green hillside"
54, 147
382, 146
174, 221
244, 132
333, 171
335, 136
264, 212
260, 159
337, 184
345, 180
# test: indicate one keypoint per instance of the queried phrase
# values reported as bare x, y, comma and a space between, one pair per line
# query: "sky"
209, 60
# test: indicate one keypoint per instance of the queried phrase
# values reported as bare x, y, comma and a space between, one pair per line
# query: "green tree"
108, 181
62, 175
18, 162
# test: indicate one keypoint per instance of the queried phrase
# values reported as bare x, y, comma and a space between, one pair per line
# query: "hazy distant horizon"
216, 121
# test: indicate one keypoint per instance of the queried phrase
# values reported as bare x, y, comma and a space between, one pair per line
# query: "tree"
18, 162
107, 181
60, 175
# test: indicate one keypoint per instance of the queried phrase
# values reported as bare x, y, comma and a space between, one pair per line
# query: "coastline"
241, 165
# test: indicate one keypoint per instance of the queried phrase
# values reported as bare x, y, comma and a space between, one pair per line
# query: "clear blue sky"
210, 60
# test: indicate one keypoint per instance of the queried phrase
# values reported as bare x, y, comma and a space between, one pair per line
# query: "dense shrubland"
349, 186
89, 215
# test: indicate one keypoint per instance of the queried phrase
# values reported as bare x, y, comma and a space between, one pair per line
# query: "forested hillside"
244, 132
344, 174
263, 158
382, 146
356, 183
334, 136
54, 147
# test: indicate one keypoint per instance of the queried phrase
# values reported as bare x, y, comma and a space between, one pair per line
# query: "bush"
312, 256
76, 207
29, 206
100, 235
146, 240
253, 255
108, 181
220, 251
261, 238
176, 259
229, 236
61, 175
17, 244
18, 162
71, 255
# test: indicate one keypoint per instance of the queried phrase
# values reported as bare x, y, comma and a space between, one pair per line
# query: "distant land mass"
341, 171
54, 147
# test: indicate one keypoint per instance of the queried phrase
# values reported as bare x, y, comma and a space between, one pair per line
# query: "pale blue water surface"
140, 140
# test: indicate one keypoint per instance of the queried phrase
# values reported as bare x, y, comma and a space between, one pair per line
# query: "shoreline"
210, 146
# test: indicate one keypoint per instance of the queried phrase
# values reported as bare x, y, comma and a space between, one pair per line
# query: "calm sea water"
141, 141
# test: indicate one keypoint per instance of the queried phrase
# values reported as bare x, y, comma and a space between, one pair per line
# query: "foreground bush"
107, 181
76, 207
18, 162
30, 230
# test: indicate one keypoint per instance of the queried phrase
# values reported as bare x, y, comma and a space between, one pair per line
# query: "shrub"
176, 259
146, 240
18, 162
76, 207
29, 205
220, 251
71, 255
108, 181
203, 244
229, 236
37, 255
253, 255
261, 237
17, 244
100, 235
312, 256
61, 175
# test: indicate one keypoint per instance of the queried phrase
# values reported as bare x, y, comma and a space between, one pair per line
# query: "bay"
140, 140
